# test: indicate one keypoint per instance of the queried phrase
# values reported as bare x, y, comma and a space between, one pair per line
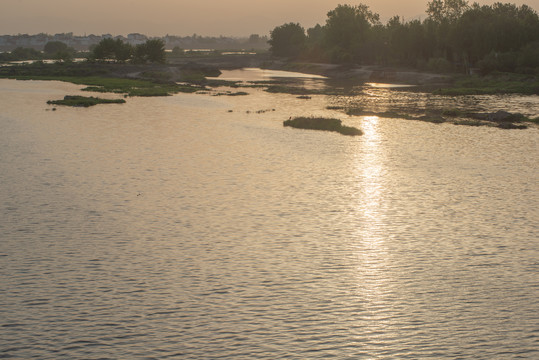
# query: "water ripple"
194, 233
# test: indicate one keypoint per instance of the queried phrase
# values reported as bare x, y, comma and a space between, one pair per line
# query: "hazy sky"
185, 17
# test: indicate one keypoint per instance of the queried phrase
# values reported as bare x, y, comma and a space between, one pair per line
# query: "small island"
84, 101
325, 124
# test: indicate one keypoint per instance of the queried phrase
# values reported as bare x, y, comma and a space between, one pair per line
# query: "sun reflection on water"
373, 283
370, 171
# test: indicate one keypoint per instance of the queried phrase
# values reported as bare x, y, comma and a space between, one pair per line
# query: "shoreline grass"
498, 83
130, 87
105, 78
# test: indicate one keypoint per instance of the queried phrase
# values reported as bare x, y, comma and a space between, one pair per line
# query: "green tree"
123, 51
446, 10
287, 40
63, 56
155, 51
21, 53
315, 49
493, 34
346, 31
110, 49
53, 47
151, 51
104, 50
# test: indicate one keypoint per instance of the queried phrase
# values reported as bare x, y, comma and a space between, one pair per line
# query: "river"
198, 227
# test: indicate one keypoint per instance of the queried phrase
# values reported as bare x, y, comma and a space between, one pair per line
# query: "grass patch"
84, 101
130, 87
156, 75
229, 93
508, 125
431, 118
101, 78
219, 83
500, 83
472, 123
325, 124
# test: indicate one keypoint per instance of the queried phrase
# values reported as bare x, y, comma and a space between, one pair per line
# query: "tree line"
55, 50
107, 50
455, 36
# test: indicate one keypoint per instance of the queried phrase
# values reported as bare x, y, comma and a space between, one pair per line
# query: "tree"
104, 50
151, 51
59, 51
122, 51
492, 33
347, 30
110, 49
315, 49
287, 40
53, 47
155, 51
446, 10
20, 53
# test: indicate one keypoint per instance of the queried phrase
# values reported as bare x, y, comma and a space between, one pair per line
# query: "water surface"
194, 227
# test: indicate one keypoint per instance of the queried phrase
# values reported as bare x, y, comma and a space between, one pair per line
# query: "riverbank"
128, 79
201, 76
195, 70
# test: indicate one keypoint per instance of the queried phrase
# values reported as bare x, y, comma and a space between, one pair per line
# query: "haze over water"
172, 228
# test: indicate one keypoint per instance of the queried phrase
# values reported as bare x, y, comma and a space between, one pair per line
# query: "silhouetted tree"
346, 31
21, 53
446, 10
287, 40
315, 49
52, 47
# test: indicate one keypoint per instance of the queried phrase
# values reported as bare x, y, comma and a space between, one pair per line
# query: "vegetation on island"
325, 124
500, 119
84, 101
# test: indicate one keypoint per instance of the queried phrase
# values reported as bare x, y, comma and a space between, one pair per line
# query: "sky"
186, 17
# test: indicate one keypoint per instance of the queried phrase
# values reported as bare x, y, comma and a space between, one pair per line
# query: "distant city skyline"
186, 17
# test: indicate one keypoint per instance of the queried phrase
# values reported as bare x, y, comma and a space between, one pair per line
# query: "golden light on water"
373, 282
370, 172
370, 208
